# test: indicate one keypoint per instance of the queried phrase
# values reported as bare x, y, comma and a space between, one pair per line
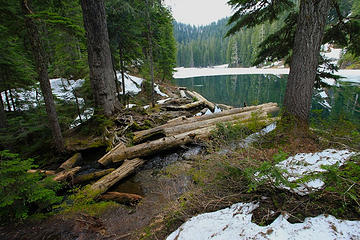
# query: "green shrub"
23, 193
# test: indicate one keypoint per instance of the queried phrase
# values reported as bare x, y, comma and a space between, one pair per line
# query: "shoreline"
182, 72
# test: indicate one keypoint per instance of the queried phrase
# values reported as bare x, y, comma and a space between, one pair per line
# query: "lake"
235, 90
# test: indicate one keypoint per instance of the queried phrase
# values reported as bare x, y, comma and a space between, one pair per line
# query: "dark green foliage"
276, 46
21, 193
343, 184
249, 13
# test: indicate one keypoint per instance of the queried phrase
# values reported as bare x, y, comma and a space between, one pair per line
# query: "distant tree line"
207, 46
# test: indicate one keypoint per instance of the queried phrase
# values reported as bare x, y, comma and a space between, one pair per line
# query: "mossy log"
184, 120
122, 198
71, 162
153, 147
91, 176
64, 175
181, 128
104, 183
149, 148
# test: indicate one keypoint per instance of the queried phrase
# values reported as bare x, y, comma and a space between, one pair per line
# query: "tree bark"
41, 62
150, 53
7, 101
3, 123
122, 74
308, 38
128, 167
99, 56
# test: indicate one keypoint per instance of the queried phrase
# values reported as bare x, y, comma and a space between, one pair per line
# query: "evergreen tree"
99, 56
41, 62
305, 37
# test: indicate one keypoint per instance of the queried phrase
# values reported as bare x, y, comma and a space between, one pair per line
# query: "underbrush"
226, 176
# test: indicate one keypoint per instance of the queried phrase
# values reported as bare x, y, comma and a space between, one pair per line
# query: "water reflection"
336, 101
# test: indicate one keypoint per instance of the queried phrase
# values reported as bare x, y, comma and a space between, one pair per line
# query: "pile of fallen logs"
174, 133
170, 135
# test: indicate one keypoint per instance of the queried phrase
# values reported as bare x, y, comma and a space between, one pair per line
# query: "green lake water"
235, 90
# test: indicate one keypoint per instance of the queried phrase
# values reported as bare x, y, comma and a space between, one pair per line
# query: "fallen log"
150, 148
224, 107
64, 175
185, 106
109, 156
71, 162
128, 167
182, 94
197, 96
173, 130
185, 120
122, 198
46, 172
91, 176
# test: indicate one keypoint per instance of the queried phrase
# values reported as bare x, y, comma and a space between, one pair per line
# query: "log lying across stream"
181, 132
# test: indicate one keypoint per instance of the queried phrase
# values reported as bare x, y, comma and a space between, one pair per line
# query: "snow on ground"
235, 223
199, 72
132, 83
253, 137
330, 53
63, 88
304, 164
86, 115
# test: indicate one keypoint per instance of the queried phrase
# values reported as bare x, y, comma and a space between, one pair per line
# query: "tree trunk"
41, 62
150, 53
308, 38
3, 123
99, 56
122, 75
116, 78
12, 100
7, 101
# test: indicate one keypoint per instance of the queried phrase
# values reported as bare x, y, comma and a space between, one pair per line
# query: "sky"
199, 12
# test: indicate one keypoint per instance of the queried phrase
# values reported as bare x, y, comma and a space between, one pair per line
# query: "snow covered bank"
200, 72
235, 223
349, 75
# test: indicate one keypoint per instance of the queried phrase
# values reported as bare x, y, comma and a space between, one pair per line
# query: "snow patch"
157, 90
235, 223
253, 137
303, 164
86, 115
